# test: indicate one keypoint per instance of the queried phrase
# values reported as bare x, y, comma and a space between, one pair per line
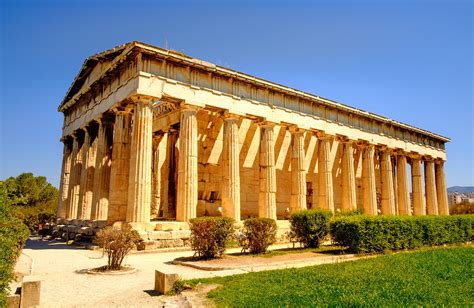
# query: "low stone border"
94, 271
278, 264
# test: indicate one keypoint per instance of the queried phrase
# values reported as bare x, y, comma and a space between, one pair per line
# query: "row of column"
103, 179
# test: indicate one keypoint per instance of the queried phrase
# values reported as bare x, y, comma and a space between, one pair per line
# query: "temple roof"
136, 46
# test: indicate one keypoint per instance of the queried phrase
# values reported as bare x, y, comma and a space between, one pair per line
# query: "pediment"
92, 68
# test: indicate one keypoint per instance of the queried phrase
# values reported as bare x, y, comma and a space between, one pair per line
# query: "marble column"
417, 187
187, 194
368, 181
441, 191
75, 177
349, 197
388, 196
231, 169
430, 188
139, 185
325, 189
87, 174
100, 198
156, 178
298, 171
403, 193
267, 195
65, 174
119, 168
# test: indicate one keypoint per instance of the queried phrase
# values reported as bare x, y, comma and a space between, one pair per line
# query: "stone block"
159, 235
171, 225
13, 301
181, 234
164, 281
30, 292
99, 223
143, 235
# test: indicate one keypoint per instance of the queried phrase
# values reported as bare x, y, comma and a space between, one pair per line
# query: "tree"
32, 199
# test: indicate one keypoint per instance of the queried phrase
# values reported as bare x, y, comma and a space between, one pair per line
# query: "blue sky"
408, 60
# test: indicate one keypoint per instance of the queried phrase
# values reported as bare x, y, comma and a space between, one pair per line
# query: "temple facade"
153, 135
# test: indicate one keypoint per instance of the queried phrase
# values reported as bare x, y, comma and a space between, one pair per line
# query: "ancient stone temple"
153, 135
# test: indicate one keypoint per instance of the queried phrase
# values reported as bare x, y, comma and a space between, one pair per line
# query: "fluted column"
325, 189
388, 196
417, 187
349, 197
87, 174
156, 177
139, 185
368, 181
441, 191
187, 194
119, 168
75, 177
65, 174
231, 169
403, 193
100, 198
298, 171
267, 195
430, 188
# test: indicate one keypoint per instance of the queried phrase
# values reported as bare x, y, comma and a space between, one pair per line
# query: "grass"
436, 276
335, 250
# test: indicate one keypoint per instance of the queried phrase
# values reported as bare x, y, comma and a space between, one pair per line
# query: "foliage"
13, 235
349, 212
259, 233
462, 208
379, 233
432, 277
210, 235
117, 243
310, 226
32, 199
178, 286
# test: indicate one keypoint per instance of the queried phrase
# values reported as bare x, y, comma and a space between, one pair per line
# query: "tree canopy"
28, 190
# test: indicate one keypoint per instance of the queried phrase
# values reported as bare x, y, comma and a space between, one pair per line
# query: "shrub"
260, 233
375, 234
13, 234
117, 243
310, 227
209, 235
349, 212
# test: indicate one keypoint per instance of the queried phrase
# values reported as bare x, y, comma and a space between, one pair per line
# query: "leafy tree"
32, 199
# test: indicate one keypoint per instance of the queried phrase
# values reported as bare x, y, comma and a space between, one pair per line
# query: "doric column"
65, 174
100, 198
417, 186
349, 197
119, 168
325, 189
187, 194
388, 197
139, 185
231, 169
441, 191
156, 177
403, 193
87, 173
298, 171
75, 176
368, 180
430, 188
267, 195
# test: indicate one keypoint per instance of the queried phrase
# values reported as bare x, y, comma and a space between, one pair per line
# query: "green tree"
32, 198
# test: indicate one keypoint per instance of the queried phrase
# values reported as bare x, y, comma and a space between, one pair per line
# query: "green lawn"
440, 276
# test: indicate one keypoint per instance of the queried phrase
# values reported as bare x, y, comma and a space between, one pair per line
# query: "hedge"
13, 234
260, 233
374, 234
310, 227
209, 235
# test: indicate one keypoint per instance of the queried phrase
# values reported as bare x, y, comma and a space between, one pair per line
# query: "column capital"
428, 158
142, 99
228, 116
294, 129
344, 139
414, 156
185, 107
320, 134
439, 161
266, 124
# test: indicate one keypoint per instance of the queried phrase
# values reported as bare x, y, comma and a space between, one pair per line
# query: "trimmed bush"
117, 243
260, 233
310, 227
375, 234
13, 235
210, 235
